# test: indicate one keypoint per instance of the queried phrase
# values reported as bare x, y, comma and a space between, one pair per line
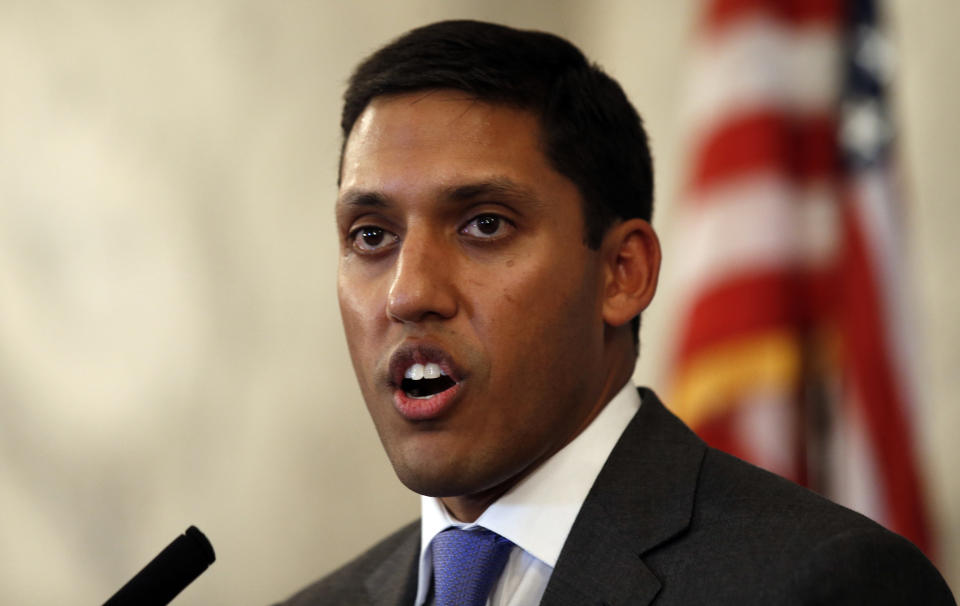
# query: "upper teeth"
423, 371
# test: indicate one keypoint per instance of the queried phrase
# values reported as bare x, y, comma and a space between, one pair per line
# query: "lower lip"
422, 409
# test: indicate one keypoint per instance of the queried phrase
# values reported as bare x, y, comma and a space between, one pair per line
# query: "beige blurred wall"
170, 347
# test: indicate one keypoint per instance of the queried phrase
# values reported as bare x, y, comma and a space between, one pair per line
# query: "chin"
432, 483
432, 480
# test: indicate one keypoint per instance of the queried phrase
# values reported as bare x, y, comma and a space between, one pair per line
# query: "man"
496, 254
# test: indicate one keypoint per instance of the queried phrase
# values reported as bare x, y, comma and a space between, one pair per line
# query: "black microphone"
167, 574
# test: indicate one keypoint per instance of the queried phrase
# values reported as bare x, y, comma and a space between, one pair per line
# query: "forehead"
441, 137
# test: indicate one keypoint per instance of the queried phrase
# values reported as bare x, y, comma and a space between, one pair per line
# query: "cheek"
553, 287
359, 293
534, 307
359, 314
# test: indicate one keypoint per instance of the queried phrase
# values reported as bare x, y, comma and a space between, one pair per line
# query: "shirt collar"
538, 513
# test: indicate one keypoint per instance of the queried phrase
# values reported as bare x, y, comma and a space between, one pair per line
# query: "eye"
370, 238
487, 227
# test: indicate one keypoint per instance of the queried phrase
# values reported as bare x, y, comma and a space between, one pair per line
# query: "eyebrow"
355, 198
497, 187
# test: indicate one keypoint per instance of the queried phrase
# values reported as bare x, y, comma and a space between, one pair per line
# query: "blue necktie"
466, 564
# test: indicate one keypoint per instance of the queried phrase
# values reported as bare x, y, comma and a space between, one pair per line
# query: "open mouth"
422, 381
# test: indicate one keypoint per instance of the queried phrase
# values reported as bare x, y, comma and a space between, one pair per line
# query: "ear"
631, 252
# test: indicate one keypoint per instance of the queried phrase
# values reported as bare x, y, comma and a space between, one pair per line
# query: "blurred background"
170, 346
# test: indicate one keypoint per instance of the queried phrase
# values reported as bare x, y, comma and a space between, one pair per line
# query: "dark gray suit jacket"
671, 521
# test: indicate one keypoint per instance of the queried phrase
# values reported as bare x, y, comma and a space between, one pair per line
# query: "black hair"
591, 133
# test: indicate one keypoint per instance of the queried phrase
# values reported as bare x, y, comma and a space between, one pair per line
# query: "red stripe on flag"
794, 147
722, 12
872, 372
751, 304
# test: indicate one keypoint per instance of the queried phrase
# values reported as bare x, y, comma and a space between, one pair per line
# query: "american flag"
794, 345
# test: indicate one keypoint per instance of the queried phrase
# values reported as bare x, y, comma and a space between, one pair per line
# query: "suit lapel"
643, 496
394, 581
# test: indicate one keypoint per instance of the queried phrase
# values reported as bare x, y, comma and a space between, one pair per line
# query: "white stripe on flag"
761, 63
755, 223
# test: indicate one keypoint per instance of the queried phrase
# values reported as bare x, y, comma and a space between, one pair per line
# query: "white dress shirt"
536, 515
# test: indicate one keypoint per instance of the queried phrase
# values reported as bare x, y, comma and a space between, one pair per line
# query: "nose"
422, 285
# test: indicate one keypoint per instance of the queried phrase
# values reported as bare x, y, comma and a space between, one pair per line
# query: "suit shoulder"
821, 551
345, 585
732, 492
868, 565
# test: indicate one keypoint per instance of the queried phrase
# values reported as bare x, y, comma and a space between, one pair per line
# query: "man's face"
472, 307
